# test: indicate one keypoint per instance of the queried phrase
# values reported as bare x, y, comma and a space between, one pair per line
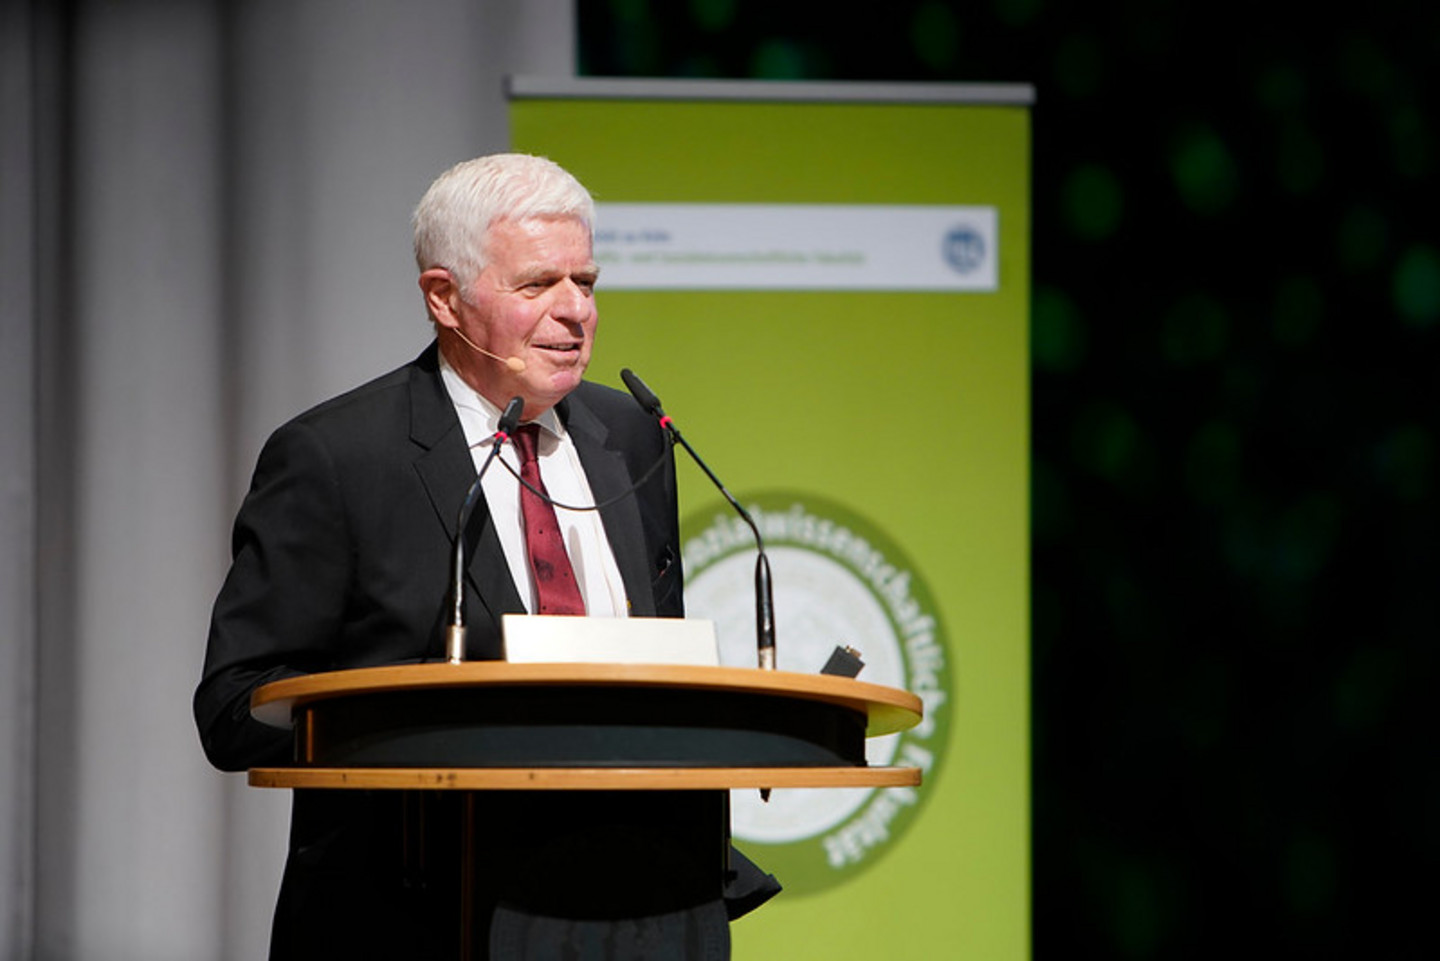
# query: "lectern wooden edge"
708, 717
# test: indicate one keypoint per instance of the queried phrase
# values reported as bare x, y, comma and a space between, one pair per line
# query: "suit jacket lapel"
446, 470
608, 477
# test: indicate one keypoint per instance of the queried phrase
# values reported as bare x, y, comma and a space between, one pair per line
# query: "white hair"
454, 217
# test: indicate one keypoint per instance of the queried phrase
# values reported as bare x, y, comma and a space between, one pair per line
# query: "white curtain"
204, 227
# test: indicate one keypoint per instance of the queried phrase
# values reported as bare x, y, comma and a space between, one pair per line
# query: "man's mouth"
566, 348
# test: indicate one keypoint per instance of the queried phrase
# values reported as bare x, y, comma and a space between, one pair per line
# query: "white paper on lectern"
541, 639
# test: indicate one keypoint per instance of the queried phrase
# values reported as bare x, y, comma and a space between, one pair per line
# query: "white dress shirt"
595, 569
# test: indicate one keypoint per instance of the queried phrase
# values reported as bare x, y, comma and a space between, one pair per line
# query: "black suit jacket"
342, 548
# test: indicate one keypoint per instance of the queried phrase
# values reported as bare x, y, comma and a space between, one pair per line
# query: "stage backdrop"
827, 286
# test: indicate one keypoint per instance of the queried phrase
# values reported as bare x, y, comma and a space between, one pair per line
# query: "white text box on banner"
664, 246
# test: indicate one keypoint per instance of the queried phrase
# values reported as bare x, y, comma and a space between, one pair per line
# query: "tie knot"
527, 441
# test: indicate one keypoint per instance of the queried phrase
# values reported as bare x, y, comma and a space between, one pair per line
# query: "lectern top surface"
887, 709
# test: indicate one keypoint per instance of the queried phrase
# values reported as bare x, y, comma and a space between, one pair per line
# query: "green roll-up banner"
827, 285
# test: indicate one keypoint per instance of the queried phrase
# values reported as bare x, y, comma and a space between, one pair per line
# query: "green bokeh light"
1405, 463
1297, 310
1416, 286
935, 35
1281, 87
1106, 440
713, 15
1195, 330
1212, 463
1204, 171
780, 59
1093, 201
1300, 159
1310, 872
1058, 335
1362, 238
1079, 66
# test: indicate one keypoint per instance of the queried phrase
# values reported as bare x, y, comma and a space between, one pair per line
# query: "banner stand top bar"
519, 87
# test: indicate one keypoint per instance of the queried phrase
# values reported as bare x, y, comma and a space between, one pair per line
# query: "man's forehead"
535, 224
529, 239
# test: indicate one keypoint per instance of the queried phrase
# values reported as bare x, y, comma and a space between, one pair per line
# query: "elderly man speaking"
341, 549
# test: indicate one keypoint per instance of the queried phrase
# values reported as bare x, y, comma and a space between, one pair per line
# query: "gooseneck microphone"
455, 633
764, 596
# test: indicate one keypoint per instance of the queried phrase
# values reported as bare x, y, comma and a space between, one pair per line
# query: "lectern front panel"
577, 727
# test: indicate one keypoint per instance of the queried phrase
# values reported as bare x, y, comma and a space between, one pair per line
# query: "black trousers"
529, 876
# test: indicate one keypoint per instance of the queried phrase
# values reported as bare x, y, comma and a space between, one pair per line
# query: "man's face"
534, 300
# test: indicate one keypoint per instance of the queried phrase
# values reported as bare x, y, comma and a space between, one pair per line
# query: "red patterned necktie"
555, 585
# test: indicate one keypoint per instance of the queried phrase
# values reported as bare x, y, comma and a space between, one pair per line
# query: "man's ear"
442, 295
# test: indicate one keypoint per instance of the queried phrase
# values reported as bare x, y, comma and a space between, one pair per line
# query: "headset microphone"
515, 364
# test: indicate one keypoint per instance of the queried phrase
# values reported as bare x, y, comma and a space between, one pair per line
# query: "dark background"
1234, 338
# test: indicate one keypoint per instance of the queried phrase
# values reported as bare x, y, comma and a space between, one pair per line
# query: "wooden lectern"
591, 792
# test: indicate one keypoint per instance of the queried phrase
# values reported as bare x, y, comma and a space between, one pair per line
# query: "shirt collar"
482, 414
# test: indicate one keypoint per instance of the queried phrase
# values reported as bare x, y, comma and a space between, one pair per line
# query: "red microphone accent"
665, 422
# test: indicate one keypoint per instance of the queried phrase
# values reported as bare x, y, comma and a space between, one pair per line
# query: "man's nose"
572, 302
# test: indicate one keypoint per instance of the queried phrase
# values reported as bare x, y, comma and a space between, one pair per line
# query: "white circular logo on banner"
837, 582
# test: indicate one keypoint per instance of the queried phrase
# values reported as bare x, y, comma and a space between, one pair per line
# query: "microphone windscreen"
643, 395
510, 417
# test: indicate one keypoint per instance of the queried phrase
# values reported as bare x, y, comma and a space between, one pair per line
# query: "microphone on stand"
455, 633
764, 596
